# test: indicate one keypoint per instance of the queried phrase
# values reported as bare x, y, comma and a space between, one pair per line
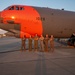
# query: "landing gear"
71, 41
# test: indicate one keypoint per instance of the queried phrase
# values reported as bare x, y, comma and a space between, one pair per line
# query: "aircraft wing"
11, 28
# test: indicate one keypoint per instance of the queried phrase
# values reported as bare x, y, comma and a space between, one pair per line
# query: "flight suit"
30, 44
46, 44
41, 43
35, 43
52, 44
23, 43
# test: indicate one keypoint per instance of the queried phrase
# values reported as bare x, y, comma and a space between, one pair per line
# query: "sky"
55, 4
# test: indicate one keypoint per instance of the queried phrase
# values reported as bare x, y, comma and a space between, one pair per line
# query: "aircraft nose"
1, 19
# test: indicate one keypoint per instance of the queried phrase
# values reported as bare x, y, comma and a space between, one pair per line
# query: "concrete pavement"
15, 62
60, 62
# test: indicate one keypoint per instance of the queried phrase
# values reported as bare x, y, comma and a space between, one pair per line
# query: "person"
35, 42
41, 43
30, 43
23, 43
52, 43
46, 43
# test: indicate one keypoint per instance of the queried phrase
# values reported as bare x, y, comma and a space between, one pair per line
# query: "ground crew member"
52, 43
46, 43
35, 42
30, 43
42, 43
23, 43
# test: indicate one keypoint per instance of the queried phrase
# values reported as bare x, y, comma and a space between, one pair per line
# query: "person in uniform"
52, 43
35, 42
41, 43
46, 43
30, 43
23, 43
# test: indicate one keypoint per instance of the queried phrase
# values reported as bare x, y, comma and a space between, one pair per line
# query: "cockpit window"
21, 8
17, 8
12, 8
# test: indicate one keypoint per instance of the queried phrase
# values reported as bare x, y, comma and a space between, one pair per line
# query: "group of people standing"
43, 43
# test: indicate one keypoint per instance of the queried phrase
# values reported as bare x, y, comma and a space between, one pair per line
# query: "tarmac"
16, 62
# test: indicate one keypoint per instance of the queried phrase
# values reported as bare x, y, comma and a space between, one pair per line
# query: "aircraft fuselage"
31, 20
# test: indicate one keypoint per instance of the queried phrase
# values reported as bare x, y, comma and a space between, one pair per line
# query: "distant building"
9, 34
2, 35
